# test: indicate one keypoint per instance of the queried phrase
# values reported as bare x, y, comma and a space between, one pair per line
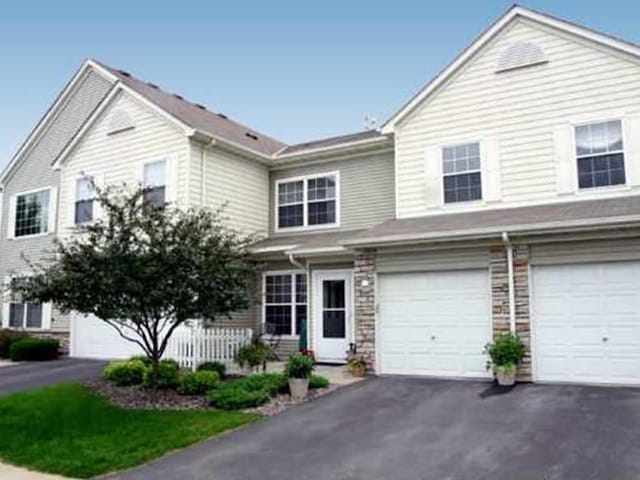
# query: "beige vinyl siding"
34, 172
119, 158
518, 110
432, 260
366, 189
224, 178
620, 249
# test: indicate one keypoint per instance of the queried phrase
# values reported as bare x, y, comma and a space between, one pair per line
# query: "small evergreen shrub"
317, 381
198, 383
229, 397
255, 354
34, 350
125, 373
142, 358
167, 376
7, 337
506, 351
218, 367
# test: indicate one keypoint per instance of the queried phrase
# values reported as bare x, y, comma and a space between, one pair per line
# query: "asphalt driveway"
409, 428
30, 375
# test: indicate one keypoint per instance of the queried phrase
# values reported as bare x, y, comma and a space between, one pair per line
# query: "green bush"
197, 383
142, 358
125, 373
299, 366
506, 351
317, 381
254, 354
218, 367
34, 349
229, 397
167, 376
272, 383
7, 337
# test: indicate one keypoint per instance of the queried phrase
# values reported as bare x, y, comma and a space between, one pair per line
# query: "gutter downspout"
512, 289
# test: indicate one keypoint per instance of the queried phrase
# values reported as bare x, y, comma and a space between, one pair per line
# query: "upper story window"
84, 200
155, 181
600, 154
31, 215
461, 173
307, 202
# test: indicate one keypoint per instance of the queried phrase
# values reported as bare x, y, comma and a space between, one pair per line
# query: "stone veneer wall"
500, 299
365, 303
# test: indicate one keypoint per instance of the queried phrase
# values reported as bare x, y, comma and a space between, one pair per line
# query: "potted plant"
505, 354
298, 370
357, 365
254, 355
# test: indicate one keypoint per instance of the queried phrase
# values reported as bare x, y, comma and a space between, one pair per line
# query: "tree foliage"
146, 270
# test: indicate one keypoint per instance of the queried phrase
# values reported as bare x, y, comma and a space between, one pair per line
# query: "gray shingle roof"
307, 240
586, 213
198, 117
331, 142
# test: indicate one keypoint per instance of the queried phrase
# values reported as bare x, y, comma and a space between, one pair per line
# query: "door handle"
433, 337
605, 339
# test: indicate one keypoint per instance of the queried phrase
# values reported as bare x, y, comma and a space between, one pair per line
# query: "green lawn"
68, 430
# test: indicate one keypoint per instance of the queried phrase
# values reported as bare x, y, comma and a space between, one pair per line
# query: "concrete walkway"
8, 472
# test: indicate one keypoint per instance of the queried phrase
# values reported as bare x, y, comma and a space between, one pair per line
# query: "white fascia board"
280, 158
274, 249
487, 35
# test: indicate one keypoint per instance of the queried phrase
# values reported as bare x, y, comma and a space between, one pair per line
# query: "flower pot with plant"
357, 365
254, 355
505, 353
298, 370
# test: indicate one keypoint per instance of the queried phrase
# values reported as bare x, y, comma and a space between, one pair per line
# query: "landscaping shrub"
218, 367
167, 376
317, 381
230, 397
198, 383
299, 366
255, 354
506, 351
142, 358
272, 383
125, 373
34, 349
7, 337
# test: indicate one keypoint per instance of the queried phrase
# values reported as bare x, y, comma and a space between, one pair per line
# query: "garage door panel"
586, 321
434, 323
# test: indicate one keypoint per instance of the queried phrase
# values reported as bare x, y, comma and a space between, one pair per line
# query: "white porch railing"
192, 346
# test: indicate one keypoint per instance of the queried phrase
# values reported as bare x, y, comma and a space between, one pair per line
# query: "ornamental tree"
146, 270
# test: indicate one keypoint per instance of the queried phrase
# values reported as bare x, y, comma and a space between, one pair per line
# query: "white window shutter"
433, 176
53, 205
11, 220
490, 162
564, 159
632, 149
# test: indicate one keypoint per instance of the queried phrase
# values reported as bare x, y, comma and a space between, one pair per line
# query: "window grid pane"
16, 315
32, 214
320, 195
601, 171
34, 315
599, 138
155, 174
285, 303
599, 152
461, 173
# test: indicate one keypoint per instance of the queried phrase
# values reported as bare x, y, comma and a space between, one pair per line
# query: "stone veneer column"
365, 303
500, 299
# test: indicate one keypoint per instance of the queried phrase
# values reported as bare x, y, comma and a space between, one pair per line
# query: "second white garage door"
586, 321
434, 323
93, 338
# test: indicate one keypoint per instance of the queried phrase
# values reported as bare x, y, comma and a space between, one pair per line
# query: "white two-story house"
505, 196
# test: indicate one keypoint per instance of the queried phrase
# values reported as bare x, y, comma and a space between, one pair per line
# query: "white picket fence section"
192, 346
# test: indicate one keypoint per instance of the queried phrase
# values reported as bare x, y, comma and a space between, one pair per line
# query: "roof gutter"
512, 289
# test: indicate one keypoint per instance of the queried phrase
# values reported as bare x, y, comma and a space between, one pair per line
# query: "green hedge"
218, 367
167, 376
7, 337
125, 373
34, 349
197, 383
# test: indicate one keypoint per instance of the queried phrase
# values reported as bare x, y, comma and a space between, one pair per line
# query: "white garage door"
586, 321
434, 323
93, 338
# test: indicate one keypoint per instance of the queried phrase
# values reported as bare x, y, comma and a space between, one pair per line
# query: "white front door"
333, 316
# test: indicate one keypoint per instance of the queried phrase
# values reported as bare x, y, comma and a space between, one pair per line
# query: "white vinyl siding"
520, 111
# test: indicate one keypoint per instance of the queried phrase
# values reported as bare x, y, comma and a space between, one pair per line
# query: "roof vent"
153, 85
200, 106
178, 96
251, 136
126, 74
521, 54
120, 121
222, 115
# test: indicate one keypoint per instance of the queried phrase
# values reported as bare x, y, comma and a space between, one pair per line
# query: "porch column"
365, 303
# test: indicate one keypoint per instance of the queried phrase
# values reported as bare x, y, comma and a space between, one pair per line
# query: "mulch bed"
138, 397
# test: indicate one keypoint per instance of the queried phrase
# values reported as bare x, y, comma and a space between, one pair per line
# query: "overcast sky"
296, 70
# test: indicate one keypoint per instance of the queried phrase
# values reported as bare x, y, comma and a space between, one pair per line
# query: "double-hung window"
285, 303
600, 154
155, 183
84, 200
462, 177
23, 315
307, 202
31, 215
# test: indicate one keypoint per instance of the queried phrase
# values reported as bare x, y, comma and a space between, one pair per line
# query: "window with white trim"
84, 200
285, 303
600, 154
155, 183
309, 201
462, 177
31, 216
24, 315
